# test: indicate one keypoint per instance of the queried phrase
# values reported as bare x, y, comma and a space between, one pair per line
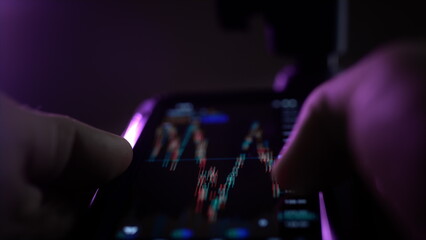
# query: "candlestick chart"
211, 195
204, 169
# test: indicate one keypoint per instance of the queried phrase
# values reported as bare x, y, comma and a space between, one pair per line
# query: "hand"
371, 119
50, 166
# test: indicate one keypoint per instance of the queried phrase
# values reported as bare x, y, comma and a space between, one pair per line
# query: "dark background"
96, 60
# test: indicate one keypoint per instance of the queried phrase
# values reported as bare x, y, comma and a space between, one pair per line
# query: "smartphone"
202, 170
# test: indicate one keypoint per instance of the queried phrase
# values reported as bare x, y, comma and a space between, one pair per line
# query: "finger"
62, 147
316, 153
50, 166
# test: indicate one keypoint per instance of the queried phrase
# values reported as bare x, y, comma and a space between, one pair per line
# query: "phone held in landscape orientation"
201, 170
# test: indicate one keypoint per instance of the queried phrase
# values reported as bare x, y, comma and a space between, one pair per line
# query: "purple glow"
93, 198
138, 122
283, 77
325, 225
134, 129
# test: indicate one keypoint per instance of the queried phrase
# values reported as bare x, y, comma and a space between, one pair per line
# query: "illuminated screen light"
325, 225
131, 134
297, 224
299, 215
138, 122
128, 233
208, 190
263, 222
283, 78
295, 201
134, 129
130, 230
215, 119
182, 233
94, 197
237, 233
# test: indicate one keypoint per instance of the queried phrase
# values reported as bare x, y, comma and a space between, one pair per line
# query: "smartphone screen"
202, 170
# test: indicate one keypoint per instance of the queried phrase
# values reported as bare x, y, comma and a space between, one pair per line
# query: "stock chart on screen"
206, 173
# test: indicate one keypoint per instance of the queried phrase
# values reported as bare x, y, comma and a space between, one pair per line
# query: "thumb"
72, 150
50, 164
59, 147
315, 155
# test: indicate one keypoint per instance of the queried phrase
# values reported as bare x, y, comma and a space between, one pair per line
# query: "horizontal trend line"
210, 159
